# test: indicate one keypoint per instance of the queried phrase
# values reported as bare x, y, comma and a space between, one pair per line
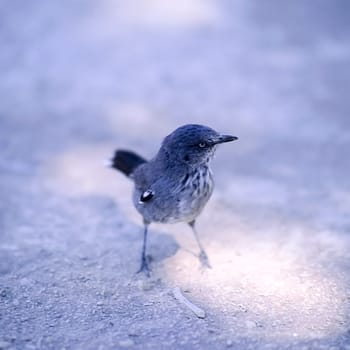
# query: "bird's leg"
144, 264
203, 257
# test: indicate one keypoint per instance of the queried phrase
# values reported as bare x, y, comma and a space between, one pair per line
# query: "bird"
176, 184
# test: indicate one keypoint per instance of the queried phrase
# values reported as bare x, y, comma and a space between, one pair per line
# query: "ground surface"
81, 78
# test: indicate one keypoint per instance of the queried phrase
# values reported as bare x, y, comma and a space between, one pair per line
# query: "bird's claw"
144, 268
204, 260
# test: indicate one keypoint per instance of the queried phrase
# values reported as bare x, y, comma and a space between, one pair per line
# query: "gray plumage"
177, 183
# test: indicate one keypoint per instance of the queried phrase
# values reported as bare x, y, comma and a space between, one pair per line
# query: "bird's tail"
125, 161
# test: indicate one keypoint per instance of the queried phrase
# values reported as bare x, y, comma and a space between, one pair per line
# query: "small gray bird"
177, 183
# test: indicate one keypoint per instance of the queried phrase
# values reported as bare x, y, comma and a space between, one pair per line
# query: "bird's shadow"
160, 246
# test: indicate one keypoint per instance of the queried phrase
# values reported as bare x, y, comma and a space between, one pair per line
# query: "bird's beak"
225, 138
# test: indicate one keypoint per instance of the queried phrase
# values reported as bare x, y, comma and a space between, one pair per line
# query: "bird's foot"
204, 260
144, 268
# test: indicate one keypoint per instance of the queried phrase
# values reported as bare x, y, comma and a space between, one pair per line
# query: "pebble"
3, 293
250, 324
148, 304
126, 343
242, 308
99, 303
83, 279
229, 343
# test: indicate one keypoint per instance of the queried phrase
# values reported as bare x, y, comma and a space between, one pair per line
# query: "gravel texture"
81, 78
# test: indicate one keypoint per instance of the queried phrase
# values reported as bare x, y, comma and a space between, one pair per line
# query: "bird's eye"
202, 144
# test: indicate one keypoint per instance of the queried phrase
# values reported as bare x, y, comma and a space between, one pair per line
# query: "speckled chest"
196, 189
176, 197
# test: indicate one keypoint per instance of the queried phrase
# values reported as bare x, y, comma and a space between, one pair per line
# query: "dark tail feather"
126, 161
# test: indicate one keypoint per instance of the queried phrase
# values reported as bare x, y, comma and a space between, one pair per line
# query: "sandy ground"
79, 79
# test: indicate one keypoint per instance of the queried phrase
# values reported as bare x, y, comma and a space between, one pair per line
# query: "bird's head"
193, 144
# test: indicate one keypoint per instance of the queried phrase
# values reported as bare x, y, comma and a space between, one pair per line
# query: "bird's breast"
195, 193
178, 198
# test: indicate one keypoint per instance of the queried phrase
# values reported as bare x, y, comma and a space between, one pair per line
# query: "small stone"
250, 324
229, 343
242, 308
3, 293
126, 343
99, 303
83, 279
148, 304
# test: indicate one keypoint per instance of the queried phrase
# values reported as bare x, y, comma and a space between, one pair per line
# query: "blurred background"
79, 79
127, 74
